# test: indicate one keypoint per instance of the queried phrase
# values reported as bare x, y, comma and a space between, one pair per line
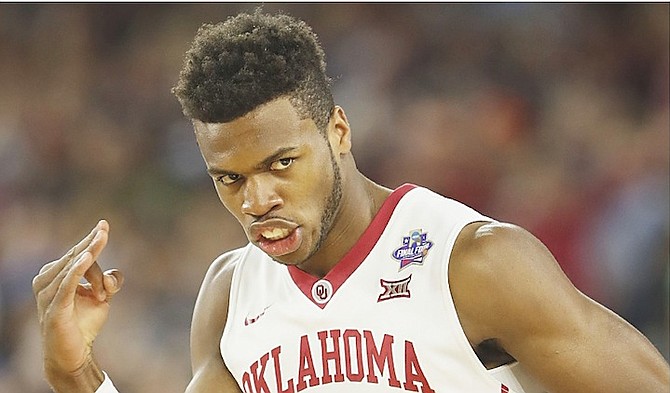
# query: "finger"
51, 270
45, 297
104, 225
98, 243
85, 242
40, 279
68, 256
94, 276
64, 296
50, 279
113, 281
94, 245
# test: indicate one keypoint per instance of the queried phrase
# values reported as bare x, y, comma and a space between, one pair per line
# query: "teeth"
275, 233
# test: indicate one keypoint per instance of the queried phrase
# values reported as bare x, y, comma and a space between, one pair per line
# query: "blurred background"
551, 116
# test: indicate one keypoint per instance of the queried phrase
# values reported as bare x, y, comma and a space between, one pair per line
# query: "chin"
289, 259
283, 261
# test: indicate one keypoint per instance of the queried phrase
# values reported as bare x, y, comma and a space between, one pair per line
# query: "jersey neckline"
354, 257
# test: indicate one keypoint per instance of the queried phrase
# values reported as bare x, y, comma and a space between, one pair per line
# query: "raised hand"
72, 312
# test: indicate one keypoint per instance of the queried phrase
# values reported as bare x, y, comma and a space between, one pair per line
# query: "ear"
339, 133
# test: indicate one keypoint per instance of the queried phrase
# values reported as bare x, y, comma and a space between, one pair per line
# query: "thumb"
112, 281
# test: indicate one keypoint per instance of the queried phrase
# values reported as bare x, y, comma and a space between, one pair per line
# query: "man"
345, 285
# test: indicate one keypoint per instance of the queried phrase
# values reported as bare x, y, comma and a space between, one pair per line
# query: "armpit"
492, 355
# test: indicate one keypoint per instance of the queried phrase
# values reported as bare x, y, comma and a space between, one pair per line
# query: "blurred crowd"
551, 116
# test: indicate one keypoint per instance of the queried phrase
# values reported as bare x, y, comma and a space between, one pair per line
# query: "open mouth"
275, 233
276, 237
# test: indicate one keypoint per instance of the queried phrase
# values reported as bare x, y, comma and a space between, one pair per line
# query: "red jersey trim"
352, 259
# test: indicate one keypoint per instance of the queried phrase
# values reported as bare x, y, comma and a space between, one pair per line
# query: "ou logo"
322, 291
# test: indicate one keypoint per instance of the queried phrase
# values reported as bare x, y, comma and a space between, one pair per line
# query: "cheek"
317, 185
228, 201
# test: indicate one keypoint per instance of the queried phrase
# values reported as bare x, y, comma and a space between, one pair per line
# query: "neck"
361, 200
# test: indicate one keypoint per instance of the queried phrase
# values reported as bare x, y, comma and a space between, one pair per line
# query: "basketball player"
345, 285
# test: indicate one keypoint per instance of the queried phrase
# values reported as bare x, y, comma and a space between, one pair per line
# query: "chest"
387, 323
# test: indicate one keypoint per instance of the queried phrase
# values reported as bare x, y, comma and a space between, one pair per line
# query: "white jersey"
382, 320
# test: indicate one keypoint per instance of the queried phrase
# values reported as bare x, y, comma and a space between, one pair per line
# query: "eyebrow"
261, 165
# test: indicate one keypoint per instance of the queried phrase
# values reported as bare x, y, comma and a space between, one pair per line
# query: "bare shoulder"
508, 288
497, 251
500, 273
209, 320
220, 272
211, 307
492, 243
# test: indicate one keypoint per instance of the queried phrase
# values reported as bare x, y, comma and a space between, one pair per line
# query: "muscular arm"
507, 287
210, 374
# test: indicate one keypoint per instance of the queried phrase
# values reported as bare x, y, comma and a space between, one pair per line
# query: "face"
278, 175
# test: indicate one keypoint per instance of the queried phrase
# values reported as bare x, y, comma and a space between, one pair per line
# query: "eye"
281, 164
228, 179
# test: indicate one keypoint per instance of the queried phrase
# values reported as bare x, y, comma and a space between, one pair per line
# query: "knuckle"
49, 315
36, 284
42, 298
46, 267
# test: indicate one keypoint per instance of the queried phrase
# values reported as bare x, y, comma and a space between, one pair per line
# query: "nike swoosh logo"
248, 321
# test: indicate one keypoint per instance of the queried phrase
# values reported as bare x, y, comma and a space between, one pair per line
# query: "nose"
260, 196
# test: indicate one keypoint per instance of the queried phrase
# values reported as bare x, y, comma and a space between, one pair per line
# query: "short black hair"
249, 60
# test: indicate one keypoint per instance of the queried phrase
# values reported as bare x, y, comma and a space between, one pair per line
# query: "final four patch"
414, 249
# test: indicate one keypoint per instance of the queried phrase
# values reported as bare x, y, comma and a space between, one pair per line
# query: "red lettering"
259, 377
413, 372
306, 366
275, 358
348, 334
331, 355
246, 383
382, 357
380, 360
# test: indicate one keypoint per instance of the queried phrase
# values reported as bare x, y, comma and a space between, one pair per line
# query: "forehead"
262, 131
